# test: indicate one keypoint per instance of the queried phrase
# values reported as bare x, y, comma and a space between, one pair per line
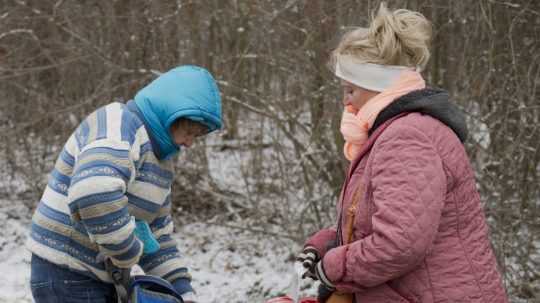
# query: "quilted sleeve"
408, 185
322, 240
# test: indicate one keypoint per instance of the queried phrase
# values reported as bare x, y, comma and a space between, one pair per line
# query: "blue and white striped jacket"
106, 175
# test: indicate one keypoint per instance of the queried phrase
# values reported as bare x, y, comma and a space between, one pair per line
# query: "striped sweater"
106, 176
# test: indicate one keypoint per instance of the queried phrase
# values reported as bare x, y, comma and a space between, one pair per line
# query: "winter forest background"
247, 197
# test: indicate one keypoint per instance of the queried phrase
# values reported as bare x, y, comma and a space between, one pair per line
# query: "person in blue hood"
108, 196
187, 92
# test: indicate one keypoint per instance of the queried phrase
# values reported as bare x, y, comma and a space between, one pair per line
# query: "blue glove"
144, 233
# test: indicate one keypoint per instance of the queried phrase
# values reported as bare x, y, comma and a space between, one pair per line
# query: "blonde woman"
411, 226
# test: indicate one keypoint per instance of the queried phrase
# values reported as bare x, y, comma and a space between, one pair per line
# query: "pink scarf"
355, 127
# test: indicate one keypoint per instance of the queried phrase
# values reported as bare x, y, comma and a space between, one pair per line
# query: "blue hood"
183, 92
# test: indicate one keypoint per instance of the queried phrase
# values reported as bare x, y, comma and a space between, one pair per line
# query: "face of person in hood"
184, 132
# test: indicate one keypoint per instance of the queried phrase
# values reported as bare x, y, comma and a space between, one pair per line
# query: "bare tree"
59, 60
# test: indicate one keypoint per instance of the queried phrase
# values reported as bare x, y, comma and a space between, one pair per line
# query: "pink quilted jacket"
420, 234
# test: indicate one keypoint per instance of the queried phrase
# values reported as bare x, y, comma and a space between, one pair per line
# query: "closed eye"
348, 90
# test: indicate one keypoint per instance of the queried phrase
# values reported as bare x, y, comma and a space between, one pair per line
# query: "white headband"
375, 77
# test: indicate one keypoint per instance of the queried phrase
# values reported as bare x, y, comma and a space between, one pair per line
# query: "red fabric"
420, 233
287, 299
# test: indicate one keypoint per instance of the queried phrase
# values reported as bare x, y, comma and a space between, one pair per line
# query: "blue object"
182, 285
144, 233
184, 92
150, 289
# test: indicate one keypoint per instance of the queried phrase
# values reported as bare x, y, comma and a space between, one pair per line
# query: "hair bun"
402, 36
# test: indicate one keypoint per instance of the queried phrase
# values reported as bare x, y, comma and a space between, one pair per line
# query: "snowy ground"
237, 266
14, 259
228, 265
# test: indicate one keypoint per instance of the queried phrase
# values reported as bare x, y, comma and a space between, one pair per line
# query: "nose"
344, 100
188, 142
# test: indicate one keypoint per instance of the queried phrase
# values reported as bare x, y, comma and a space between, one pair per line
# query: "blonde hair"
399, 37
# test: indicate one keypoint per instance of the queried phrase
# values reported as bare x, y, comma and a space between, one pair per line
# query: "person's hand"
189, 297
321, 276
184, 289
316, 272
308, 258
145, 235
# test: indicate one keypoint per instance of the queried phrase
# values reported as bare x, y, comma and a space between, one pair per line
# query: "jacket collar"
132, 107
429, 101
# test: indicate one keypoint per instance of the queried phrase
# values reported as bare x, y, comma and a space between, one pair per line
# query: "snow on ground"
228, 264
14, 259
